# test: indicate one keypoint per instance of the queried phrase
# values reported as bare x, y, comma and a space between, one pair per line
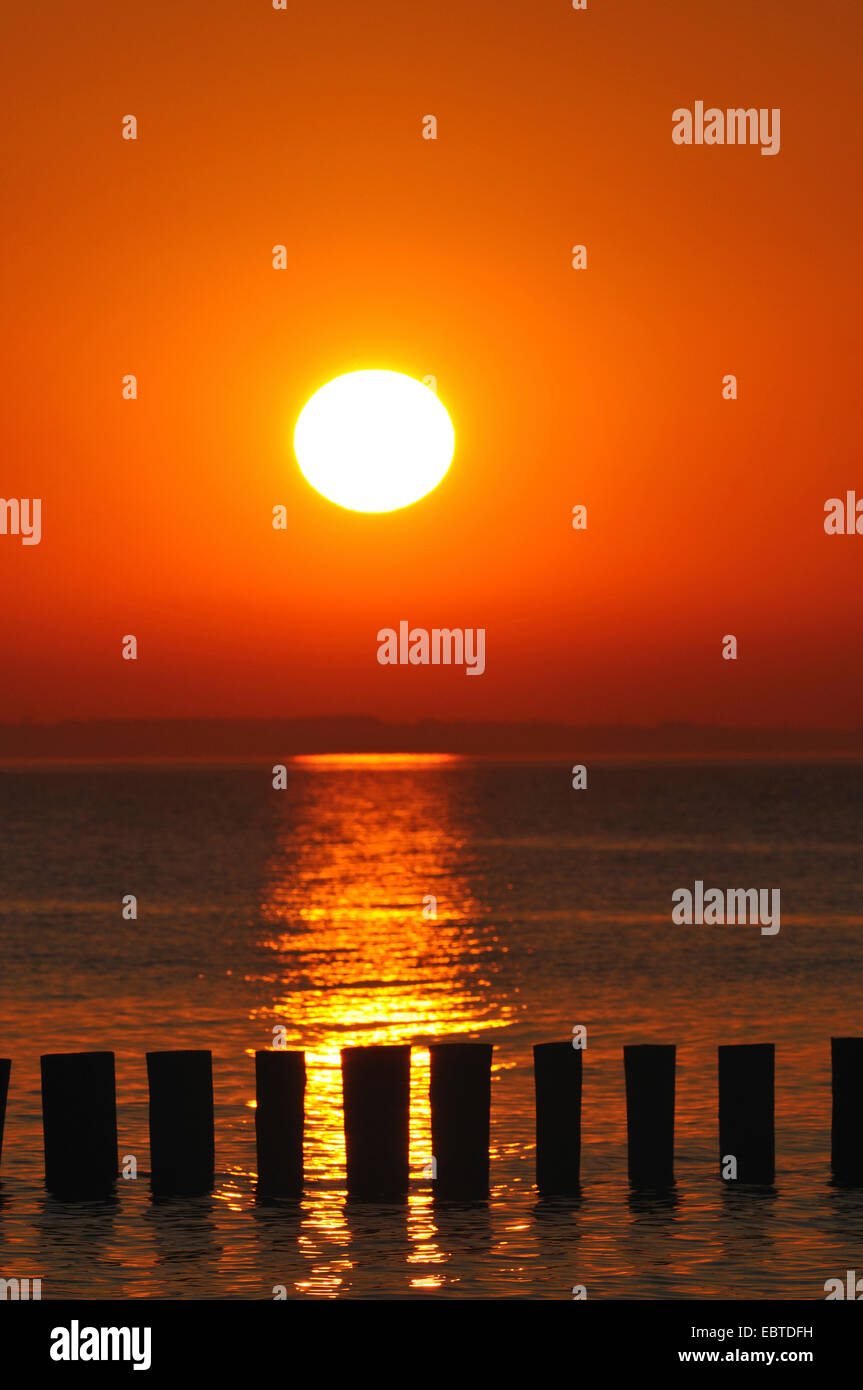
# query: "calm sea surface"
304, 908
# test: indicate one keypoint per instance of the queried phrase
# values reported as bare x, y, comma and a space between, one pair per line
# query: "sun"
374, 441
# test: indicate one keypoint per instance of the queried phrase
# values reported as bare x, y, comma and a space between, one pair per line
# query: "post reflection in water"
376, 938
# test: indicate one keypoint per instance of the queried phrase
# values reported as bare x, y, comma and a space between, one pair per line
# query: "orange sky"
450, 257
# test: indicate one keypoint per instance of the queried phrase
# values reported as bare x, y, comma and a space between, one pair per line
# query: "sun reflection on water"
376, 938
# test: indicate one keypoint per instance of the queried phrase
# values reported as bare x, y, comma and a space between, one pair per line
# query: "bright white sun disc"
374, 441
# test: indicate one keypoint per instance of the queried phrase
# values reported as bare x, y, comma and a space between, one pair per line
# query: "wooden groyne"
5, 1070
649, 1072
182, 1128
746, 1112
79, 1112
846, 1145
79, 1123
376, 1084
280, 1089
460, 1095
557, 1073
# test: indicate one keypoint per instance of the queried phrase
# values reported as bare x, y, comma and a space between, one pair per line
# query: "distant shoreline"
257, 741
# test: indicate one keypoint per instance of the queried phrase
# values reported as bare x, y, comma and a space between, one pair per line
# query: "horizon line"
533, 721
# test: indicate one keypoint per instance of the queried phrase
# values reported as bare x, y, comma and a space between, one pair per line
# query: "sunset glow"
431, 805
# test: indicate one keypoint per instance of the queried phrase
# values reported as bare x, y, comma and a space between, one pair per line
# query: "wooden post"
280, 1084
376, 1084
79, 1123
746, 1132
5, 1069
460, 1093
557, 1073
182, 1144
846, 1147
649, 1071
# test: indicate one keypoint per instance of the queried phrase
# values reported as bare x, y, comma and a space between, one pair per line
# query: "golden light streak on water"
368, 909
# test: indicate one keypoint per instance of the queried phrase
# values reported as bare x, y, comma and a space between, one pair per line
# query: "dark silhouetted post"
79, 1122
846, 1148
460, 1093
280, 1084
746, 1111
376, 1083
182, 1148
649, 1070
5, 1069
557, 1071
